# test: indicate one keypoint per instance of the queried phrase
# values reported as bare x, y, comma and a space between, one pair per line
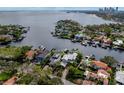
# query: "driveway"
66, 82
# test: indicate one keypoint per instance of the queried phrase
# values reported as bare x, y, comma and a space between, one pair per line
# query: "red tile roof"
103, 72
10, 81
100, 64
30, 53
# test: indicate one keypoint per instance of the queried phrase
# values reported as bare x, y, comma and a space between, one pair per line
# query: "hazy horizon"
50, 8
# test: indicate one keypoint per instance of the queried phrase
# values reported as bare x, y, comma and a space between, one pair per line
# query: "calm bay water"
42, 24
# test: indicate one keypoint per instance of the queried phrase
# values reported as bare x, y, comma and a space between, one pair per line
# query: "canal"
43, 23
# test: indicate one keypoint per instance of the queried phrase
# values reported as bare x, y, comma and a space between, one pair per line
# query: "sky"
50, 8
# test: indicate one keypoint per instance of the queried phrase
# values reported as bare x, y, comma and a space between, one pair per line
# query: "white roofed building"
68, 58
118, 42
120, 77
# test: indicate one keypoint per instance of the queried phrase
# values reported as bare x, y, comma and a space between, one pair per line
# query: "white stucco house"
118, 42
68, 58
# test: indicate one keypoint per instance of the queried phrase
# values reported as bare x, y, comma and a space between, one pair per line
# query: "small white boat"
42, 47
84, 43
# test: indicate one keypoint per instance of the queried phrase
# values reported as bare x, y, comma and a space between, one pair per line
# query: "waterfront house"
105, 45
107, 41
30, 54
102, 73
5, 39
118, 42
99, 38
70, 57
41, 55
55, 58
6, 36
99, 65
79, 36
103, 39
10, 81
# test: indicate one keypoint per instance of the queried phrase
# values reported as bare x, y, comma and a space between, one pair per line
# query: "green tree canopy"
111, 61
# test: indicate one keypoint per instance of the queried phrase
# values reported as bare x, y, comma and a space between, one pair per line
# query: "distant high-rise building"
116, 8
109, 9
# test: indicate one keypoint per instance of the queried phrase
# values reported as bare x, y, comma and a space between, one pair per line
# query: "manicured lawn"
4, 76
12, 52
